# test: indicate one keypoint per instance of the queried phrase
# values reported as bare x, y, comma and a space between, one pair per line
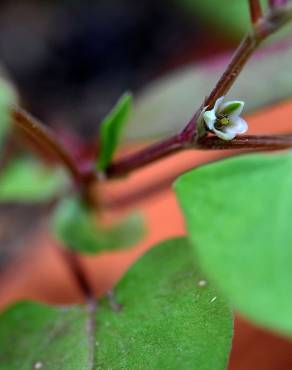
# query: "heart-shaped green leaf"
34, 336
238, 213
75, 226
111, 130
26, 180
168, 320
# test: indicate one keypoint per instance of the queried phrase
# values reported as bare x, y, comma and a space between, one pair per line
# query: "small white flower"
224, 119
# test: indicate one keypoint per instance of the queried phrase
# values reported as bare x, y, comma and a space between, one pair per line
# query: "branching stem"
189, 136
273, 21
270, 24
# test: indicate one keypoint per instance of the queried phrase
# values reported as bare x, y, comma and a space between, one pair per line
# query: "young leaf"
111, 130
74, 225
168, 320
238, 214
26, 180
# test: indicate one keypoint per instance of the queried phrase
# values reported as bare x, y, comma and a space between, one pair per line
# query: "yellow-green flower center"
221, 121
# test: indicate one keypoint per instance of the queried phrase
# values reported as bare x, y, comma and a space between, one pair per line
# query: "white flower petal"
227, 135
234, 113
237, 125
218, 104
210, 118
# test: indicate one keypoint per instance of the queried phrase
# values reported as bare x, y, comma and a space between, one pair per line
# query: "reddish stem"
74, 264
145, 156
248, 142
255, 10
79, 274
42, 134
271, 23
241, 56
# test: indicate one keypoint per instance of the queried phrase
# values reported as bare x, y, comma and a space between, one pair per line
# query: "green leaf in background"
8, 96
165, 106
229, 19
239, 218
26, 180
111, 130
168, 320
75, 226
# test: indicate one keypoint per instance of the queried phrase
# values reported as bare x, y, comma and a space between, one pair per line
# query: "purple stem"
145, 156
255, 10
248, 142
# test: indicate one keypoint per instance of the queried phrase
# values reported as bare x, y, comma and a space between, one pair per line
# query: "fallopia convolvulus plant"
173, 308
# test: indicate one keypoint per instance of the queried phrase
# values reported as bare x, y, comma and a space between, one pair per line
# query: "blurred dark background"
71, 60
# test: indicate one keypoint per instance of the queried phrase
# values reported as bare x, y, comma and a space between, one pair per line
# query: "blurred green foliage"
8, 96
229, 17
75, 226
26, 180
